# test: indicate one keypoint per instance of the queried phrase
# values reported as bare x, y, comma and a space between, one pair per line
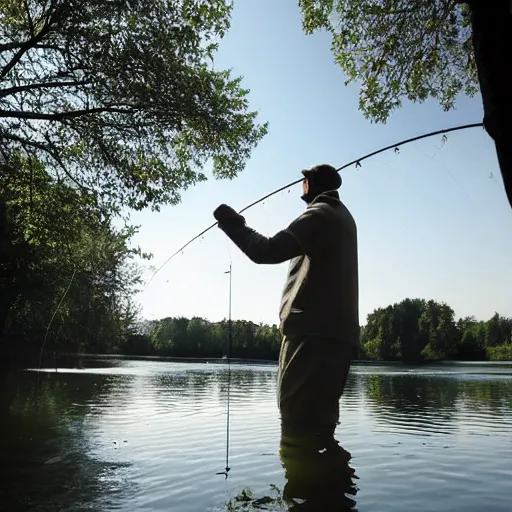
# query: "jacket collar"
332, 198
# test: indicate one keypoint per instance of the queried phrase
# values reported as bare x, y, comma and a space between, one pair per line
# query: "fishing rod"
356, 162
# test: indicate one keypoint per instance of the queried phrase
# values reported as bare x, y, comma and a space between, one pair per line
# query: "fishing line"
356, 162
500, 187
440, 165
228, 248
490, 176
267, 220
51, 321
228, 360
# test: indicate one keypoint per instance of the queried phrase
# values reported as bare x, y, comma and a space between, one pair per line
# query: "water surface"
151, 436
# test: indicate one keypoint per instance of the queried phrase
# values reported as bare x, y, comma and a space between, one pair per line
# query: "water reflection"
317, 477
411, 404
426, 405
317, 474
46, 445
199, 381
63, 443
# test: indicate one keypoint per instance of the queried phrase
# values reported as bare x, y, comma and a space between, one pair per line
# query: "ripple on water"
421, 439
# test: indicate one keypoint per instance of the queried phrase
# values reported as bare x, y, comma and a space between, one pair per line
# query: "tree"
424, 48
398, 49
471, 340
120, 96
58, 245
416, 330
197, 335
443, 336
409, 313
491, 23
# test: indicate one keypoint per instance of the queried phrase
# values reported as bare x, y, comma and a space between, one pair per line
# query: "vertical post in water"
230, 339
228, 355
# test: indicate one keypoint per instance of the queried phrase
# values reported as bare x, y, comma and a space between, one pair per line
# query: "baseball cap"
324, 176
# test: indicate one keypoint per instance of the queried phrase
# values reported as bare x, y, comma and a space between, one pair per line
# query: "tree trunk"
4, 255
491, 22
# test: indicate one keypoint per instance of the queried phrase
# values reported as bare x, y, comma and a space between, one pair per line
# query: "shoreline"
269, 362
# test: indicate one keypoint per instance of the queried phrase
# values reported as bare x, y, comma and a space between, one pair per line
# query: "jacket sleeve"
297, 239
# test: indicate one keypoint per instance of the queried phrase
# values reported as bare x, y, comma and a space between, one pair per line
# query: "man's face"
305, 186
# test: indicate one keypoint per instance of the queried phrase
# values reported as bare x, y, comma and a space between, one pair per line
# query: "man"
319, 314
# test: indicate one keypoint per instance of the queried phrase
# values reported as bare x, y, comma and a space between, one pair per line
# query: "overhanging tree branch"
121, 94
30, 20
54, 12
45, 85
23, 49
25, 142
9, 47
62, 116
47, 149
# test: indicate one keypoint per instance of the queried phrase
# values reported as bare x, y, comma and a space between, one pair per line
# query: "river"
151, 436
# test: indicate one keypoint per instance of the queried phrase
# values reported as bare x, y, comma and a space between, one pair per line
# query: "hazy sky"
433, 220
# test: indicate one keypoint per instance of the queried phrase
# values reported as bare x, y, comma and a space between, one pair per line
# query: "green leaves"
247, 501
121, 97
197, 337
416, 329
316, 14
54, 231
398, 50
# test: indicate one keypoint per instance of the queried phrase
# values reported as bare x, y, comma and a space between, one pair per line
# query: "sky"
433, 220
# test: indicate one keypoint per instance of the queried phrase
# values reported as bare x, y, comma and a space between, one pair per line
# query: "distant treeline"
197, 337
411, 331
417, 329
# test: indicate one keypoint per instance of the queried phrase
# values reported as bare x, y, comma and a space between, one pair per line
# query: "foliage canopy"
398, 49
120, 96
54, 238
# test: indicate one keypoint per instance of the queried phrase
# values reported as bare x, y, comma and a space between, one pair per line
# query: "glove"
225, 213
